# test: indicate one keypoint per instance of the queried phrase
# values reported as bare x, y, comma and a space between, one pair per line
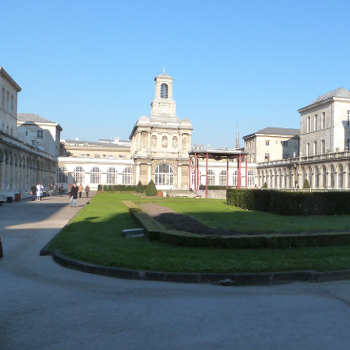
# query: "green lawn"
94, 236
216, 213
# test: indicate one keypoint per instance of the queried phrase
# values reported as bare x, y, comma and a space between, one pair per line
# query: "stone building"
158, 150
22, 164
324, 159
160, 143
270, 144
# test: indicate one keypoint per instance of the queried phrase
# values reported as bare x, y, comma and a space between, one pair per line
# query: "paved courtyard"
45, 306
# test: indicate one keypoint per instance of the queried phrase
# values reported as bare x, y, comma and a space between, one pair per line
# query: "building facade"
324, 159
22, 164
158, 149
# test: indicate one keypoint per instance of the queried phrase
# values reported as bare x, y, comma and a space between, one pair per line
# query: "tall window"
127, 176
111, 176
234, 178
164, 175
222, 178
164, 91
39, 134
62, 175
211, 178
308, 126
323, 120
95, 175
315, 123
307, 149
251, 178
315, 147
323, 146
78, 175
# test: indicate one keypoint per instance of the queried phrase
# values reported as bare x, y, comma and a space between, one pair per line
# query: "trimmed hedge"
138, 188
155, 231
291, 203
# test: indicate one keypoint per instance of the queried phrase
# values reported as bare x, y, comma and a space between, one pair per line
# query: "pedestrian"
39, 191
87, 190
80, 190
73, 195
33, 192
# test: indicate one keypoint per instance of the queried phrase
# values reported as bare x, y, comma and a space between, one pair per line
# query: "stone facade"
22, 164
272, 144
158, 150
324, 159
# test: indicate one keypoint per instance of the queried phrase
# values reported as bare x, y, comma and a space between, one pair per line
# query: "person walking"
87, 190
39, 191
73, 195
80, 190
33, 192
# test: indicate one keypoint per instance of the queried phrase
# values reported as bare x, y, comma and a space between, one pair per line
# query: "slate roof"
95, 143
28, 117
278, 131
340, 92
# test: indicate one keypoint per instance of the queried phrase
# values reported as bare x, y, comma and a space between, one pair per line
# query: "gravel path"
180, 222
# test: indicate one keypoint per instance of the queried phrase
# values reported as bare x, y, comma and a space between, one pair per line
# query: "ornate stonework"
161, 138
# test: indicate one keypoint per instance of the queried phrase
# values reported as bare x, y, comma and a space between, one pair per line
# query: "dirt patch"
172, 220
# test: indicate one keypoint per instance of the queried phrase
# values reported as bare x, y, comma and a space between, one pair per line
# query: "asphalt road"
46, 306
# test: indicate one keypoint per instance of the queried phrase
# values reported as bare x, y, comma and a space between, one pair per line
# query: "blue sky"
89, 65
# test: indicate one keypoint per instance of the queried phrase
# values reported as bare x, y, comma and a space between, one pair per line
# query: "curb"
225, 279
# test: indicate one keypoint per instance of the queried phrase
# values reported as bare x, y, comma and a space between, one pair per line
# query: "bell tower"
163, 105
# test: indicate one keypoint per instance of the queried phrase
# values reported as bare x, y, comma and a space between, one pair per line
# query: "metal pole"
206, 175
226, 173
198, 179
195, 172
189, 174
239, 172
246, 171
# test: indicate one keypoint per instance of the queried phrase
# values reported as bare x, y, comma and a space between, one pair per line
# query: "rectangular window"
315, 122
323, 146
315, 147
308, 127
267, 142
39, 134
323, 120
12, 105
3, 97
267, 156
7, 101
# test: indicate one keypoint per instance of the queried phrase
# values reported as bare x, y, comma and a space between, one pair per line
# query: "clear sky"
89, 65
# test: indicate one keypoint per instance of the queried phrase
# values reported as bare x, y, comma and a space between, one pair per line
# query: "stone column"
179, 176
137, 173
149, 173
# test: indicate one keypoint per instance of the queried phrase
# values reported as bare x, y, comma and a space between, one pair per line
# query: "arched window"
340, 176
324, 177
78, 174
211, 178
111, 176
95, 175
164, 175
332, 176
164, 91
222, 178
127, 176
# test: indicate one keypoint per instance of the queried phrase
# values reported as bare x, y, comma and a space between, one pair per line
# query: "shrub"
151, 189
264, 185
140, 188
306, 184
120, 187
